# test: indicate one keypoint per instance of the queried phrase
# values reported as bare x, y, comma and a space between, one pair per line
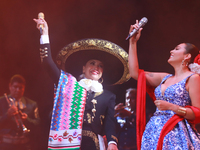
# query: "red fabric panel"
196, 113
150, 91
140, 107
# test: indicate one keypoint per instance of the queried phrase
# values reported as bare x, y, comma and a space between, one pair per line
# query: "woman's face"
93, 69
178, 54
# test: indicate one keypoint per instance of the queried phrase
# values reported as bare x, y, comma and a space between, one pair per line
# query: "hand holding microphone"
41, 24
141, 23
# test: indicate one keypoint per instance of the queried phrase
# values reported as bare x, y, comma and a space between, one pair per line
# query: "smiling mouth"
94, 72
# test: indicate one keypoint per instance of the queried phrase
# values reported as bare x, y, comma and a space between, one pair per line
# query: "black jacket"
102, 121
8, 124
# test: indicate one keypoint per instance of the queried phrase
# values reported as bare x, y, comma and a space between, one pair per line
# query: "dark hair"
17, 78
193, 50
131, 90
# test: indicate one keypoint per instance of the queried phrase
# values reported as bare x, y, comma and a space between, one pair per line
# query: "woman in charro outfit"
177, 99
83, 111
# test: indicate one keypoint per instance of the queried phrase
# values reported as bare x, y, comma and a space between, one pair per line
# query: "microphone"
141, 23
41, 15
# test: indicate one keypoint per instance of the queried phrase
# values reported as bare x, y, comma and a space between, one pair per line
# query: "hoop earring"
101, 80
184, 63
82, 76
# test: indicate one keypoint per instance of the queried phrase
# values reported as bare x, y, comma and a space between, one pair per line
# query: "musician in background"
126, 121
18, 118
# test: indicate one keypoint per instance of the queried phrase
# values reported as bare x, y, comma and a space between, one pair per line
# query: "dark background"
170, 22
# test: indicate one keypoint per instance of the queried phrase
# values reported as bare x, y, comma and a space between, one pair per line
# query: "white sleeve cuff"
44, 39
112, 142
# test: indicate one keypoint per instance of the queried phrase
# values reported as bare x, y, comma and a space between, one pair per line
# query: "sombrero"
74, 56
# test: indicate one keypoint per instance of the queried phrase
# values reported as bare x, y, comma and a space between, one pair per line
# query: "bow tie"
91, 85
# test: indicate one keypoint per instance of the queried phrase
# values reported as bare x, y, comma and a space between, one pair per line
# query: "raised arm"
45, 51
152, 78
132, 58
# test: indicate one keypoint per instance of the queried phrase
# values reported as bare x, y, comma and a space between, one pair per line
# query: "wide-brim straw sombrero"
74, 56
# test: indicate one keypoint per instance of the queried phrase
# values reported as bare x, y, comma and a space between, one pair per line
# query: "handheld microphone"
141, 23
41, 15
